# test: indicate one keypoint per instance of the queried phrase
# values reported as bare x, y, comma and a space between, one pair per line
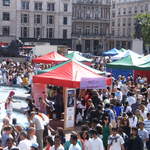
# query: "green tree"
145, 22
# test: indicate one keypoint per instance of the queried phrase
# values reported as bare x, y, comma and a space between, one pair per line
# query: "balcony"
89, 19
90, 35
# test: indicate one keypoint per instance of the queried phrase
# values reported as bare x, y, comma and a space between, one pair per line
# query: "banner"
70, 108
93, 83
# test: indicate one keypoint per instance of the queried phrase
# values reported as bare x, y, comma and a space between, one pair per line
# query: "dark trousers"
148, 143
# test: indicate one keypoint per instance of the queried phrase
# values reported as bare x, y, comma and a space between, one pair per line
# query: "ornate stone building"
90, 25
47, 20
123, 20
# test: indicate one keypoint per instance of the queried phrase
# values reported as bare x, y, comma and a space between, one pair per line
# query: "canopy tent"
78, 57
123, 53
129, 62
52, 57
122, 50
59, 65
68, 75
118, 56
111, 52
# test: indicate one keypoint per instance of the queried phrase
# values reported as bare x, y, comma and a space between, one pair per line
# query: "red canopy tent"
68, 75
52, 57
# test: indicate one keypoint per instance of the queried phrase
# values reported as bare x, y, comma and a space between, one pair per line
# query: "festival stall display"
71, 75
52, 57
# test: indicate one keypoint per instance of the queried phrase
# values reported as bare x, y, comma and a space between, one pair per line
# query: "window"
5, 30
130, 10
118, 22
24, 18
129, 32
119, 11
50, 32
6, 2
129, 21
79, 29
51, 6
113, 14
124, 21
113, 6
113, 23
65, 21
124, 11
50, 19
142, 9
124, 32
87, 30
118, 32
65, 7
6, 16
135, 9
37, 19
37, 32
146, 7
24, 32
38, 6
96, 30
25, 5
64, 34
113, 32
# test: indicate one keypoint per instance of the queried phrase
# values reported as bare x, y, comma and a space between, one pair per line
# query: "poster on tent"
38, 90
70, 108
93, 83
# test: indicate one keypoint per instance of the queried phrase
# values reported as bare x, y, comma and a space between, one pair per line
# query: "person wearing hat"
143, 133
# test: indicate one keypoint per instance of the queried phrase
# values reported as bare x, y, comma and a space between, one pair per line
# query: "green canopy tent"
78, 57
129, 62
146, 65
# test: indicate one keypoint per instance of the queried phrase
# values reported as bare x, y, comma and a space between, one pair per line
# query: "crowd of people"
116, 118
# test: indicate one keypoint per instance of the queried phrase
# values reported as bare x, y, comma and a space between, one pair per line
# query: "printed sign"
93, 83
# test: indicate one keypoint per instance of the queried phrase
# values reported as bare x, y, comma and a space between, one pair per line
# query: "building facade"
50, 20
90, 25
123, 21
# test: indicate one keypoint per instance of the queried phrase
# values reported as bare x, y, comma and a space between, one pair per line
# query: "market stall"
76, 56
52, 57
72, 75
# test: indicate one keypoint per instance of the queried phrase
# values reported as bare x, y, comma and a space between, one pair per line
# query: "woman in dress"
106, 131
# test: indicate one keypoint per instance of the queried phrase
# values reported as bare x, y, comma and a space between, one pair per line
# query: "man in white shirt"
147, 127
74, 145
57, 143
38, 123
143, 134
132, 120
96, 143
131, 99
115, 141
24, 144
